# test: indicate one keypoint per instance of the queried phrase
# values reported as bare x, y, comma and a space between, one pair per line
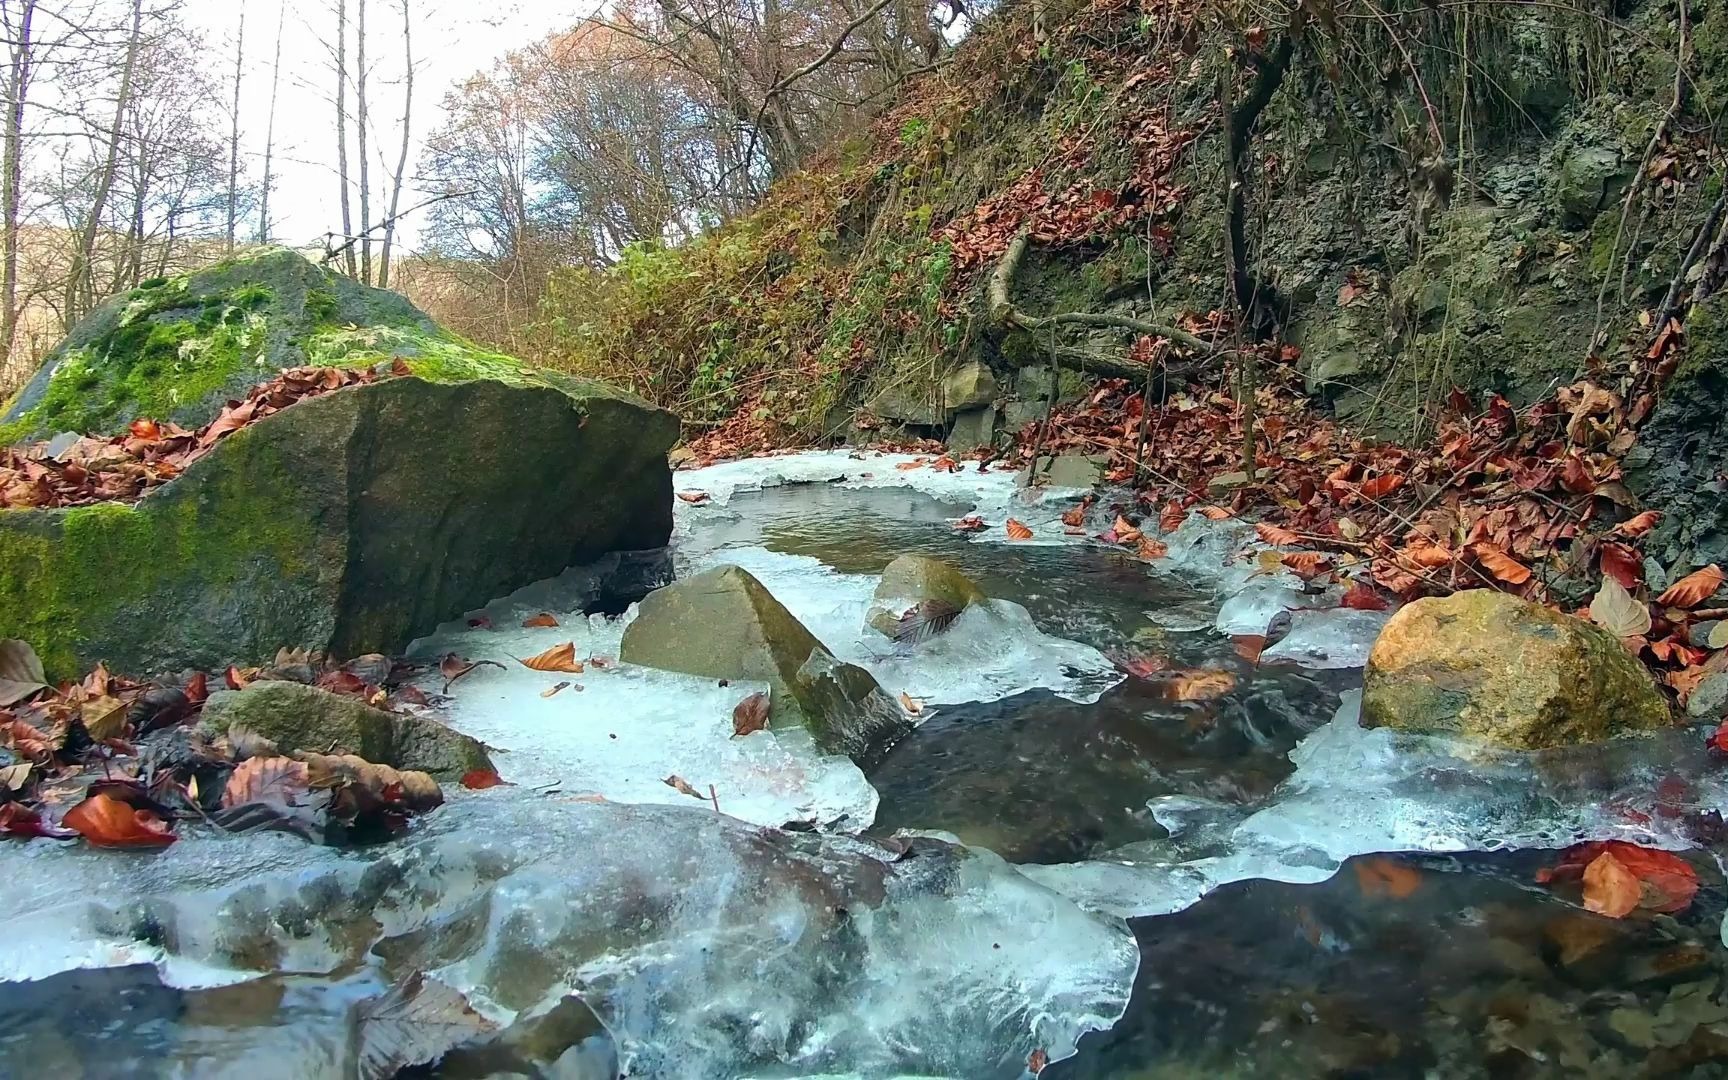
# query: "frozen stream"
960, 911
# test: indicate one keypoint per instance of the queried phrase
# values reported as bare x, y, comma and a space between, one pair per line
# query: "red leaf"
1501, 565
1622, 564
750, 715
1249, 646
1693, 589
1634, 527
146, 430
480, 779
197, 689
1381, 486
1363, 597
695, 497
108, 822
1171, 517
16, 819
1575, 477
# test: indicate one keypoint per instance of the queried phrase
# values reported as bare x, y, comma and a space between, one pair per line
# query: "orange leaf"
1609, 888
536, 621
1430, 556
557, 658
911, 704
970, 523
1276, 536
1215, 513
1362, 597
693, 497
1201, 685
266, 779
480, 779
1501, 565
1382, 486
1693, 589
1151, 549
1638, 526
908, 466
1126, 532
1171, 517
1306, 564
1249, 646
750, 715
1017, 531
146, 430
108, 822
1380, 876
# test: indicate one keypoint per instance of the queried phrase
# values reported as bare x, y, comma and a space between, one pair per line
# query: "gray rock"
1017, 414
299, 717
1581, 187
916, 579
973, 428
725, 625
1069, 471
1710, 700
969, 386
907, 406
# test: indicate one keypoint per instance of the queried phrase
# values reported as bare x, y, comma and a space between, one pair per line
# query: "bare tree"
401, 173
342, 135
234, 131
12, 165
361, 131
79, 296
270, 129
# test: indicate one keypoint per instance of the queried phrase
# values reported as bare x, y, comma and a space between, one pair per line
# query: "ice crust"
1357, 791
707, 946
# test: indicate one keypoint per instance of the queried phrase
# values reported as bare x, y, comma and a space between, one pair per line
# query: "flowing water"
1249, 885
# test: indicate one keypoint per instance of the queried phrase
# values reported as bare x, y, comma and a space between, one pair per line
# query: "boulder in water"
299, 717
724, 624
1489, 667
938, 591
347, 523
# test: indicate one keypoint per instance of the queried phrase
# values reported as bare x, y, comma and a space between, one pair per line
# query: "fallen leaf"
235, 679
563, 684
1391, 878
278, 780
1276, 536
1620, 563
103, 717
751, 714
1017, 531
1249, 646
25, 740
911, 704
536, 622
481, 779
1201, 685
15, 777
693, 497
146, 430
1125, 531
1362, 596
416, 1022
106, 821
1214, 513
1306, 564
908, 466
1693, 589
1151, 550
1614, 610
557, 658
21, 674
1501, 565
1662, 881
1637, 526
453, 667
970, 523
682, 787
1381, 486
1609, 888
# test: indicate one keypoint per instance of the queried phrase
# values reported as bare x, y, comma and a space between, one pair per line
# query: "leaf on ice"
266, 779
1016, 530
682, 786
542, 620
416, 1022
107, 821
557, 658
750, 715
1276, 535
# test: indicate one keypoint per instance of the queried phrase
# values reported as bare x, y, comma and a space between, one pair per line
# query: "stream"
1061, 863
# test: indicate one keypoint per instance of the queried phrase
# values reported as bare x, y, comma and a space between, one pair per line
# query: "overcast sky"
452, 40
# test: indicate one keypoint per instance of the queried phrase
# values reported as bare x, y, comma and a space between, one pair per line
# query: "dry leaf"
557, 658
278, 780
682, 787
103, 717
1277, 536
693, 497
415, 1023
1125, 531
1637, 526
1609, 888
563, 684
15, 777
1614, 610
1017, 531
970, 523
751, 714
21, 674
1621, 563
1501, 565
1201, 685
481, 779
1215, 513
1693, 589
110, 822
453, 667
1150, 549
911, 704
535, 622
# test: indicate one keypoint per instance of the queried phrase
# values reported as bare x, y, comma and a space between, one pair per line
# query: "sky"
452, 40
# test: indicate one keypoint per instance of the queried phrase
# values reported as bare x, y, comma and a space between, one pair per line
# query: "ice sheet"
1358, 791
709, 947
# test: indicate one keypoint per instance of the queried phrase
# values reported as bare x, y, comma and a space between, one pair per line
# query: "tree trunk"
270, 131
342, 135
79, 296
11, 183
234, 132
402, 157
360, 121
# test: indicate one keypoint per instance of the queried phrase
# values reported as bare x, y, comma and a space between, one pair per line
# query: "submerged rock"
1495, 669
299, 717
725, 625
920, 581
348, 523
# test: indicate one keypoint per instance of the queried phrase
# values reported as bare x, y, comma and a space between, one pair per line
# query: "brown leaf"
1609, 888
693, 497
21, 674
106, 821
480, 779
1017, 531
557, 658
1201, 685
1361, 596
1501, 565
1639, 525
751, 714
911, 704
535, 622
1277, 536
1614, 610
1152, 550
1249, 646
1620, 563
1693, 589
1388, 877
1306, 564
103, 717
1214, 513
682, 787
1381, 486
278, 780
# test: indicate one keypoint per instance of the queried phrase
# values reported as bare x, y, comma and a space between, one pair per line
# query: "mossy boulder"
179, 348
299, 717
913, 580
724, 624
1498, 670
348, 523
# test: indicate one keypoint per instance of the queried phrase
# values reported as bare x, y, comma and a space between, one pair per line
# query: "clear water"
708, 947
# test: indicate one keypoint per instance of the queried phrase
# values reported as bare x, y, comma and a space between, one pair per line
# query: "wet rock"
970, 386
1489, 667
725, 625
297, 717
1069, 471
348, 523
973, 428
915, 580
